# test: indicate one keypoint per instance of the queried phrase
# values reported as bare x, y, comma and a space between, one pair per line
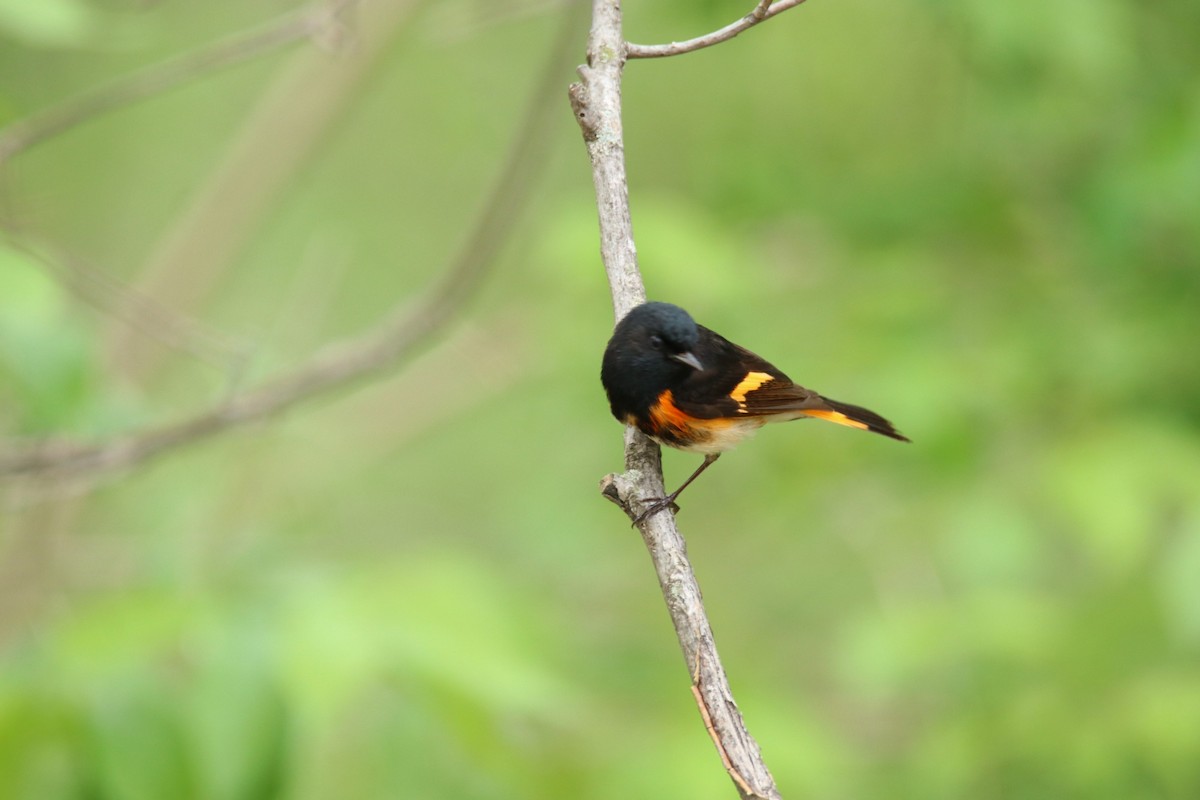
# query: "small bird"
692, 389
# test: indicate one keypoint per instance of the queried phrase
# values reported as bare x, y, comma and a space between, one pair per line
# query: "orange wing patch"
752, 381
835, 416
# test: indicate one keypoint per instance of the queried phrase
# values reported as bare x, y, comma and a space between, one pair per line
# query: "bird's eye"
656, 341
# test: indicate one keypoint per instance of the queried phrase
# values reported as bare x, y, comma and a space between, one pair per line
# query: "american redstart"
690, 388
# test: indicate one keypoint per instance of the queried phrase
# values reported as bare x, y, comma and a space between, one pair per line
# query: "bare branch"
321, 21
596, 101
763, 11
353, 360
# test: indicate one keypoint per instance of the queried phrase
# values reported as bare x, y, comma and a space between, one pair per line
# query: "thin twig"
356, 359
314, 22
596, 101
734, 775
763, 11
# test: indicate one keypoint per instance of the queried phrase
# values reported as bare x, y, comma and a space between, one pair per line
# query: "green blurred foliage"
981, 219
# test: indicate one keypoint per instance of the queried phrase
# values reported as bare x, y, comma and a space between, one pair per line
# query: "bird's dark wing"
749, 386
738, 383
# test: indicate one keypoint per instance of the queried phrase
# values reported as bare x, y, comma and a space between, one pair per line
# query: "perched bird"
690, 388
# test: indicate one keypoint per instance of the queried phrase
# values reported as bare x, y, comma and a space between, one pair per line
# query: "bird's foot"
655, 506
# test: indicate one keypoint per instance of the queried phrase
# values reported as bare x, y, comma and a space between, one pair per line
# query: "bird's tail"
855, 417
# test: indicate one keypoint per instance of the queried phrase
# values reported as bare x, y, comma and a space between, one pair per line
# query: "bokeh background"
980, 218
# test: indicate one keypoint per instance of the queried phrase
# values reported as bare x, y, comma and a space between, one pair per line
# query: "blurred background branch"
148, 317
296, 113
343, 363
322, 22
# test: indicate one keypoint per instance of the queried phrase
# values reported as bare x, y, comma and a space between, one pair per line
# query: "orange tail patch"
836, 416
855, 417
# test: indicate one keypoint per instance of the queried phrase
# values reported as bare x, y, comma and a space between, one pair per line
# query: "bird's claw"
654, 507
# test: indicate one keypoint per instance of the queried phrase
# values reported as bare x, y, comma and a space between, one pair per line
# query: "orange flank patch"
752, 381
835, 416
671, 426
664, 414
671, 423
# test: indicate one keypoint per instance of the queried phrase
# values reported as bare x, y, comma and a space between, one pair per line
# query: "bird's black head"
651, 349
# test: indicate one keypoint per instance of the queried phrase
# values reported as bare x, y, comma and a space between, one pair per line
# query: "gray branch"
763, 11
596, 101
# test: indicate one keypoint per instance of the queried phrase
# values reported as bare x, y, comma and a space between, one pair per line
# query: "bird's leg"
708, 459
669, 500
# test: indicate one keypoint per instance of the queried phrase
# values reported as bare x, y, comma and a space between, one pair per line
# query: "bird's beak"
689, 359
